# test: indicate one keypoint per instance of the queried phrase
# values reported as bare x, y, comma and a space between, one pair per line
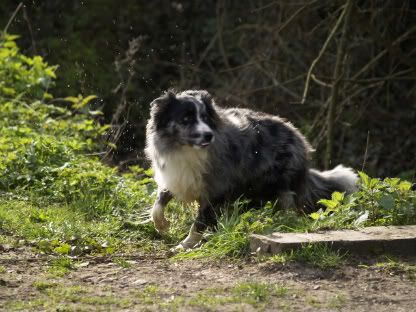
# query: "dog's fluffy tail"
321, 184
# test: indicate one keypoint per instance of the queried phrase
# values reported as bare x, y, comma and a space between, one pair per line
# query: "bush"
378, 202
47, 151
22, 76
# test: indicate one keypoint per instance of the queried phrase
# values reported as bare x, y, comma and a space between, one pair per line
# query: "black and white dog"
205, 153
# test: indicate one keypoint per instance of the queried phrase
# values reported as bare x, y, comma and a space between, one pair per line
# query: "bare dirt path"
32, 282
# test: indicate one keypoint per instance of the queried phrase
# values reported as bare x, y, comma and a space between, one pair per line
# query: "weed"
393, 266
252, 293
378, 202
337, 301
231, 237
60, 266
314, 302
44, 285
319, 255
122, 262
149, 295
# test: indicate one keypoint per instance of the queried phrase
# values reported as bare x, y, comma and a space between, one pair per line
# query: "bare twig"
119, 120
321, 53
220, 26
395, 76
12, 18
29, 26
366, 150
382, 53
338, 73
294, 15
320, 82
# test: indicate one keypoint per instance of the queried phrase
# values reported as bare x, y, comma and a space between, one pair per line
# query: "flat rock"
370, 240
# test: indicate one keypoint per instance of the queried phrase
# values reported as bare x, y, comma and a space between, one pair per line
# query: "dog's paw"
179, 248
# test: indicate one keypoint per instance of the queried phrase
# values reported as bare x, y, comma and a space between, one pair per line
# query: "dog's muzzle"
204, 139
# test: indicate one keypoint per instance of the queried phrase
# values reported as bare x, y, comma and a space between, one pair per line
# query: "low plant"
377, 202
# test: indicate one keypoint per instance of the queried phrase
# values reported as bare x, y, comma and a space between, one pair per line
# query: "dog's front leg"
207, 217
158, 210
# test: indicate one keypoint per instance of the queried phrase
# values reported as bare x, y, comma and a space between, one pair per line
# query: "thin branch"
396, 76
12, 17
220, 26
366, 151
382, 53
29, 26
294, 15
321, 53
335, 91
320, 82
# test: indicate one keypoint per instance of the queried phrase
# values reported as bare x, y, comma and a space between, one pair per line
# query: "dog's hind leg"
207, 217
158, 210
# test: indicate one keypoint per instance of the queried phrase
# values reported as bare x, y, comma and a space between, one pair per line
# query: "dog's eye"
186, 120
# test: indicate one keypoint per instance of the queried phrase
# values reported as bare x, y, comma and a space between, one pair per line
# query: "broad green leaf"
328, 203
315, 215
364, 178
72, 99
405, 186
337, 196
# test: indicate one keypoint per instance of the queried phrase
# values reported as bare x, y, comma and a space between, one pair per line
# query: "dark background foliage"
247, 53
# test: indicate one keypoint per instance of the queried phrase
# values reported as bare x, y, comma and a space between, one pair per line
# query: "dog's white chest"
181, 172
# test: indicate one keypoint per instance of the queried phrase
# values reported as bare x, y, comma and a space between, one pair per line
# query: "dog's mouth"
202, 144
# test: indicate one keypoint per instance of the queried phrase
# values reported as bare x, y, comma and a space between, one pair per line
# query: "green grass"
318, 255
61, 266
393, 266
51, 295
66, 230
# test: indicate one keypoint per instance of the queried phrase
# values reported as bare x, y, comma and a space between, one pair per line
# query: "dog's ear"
160, 107
166, 98
207, 99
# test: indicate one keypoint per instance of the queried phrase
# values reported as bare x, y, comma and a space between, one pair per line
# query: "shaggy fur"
202, 152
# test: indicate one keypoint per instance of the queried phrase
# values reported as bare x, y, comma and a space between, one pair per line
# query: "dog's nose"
207, 136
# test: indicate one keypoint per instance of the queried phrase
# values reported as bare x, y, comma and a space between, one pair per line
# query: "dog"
202, 152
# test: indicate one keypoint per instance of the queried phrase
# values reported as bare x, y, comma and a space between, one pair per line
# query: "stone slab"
370, 240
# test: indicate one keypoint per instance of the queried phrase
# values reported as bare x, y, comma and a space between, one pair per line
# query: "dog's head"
186, 118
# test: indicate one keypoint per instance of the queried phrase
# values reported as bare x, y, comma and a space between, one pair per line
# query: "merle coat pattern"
202, 152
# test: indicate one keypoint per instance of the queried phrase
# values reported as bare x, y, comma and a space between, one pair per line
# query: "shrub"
378, 202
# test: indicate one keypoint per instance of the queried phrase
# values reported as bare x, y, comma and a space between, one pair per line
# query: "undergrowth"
58, 196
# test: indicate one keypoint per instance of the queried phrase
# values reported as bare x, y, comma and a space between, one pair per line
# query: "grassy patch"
257, 295
61, 266
318, 255
337, 301
394, 266
42, 286
53, 295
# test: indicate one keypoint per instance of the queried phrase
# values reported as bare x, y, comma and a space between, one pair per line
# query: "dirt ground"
147, 283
